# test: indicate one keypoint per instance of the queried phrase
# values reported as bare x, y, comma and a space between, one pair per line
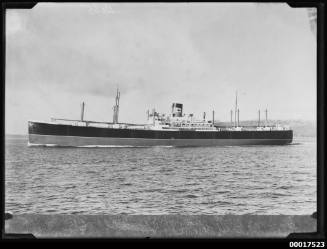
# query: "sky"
198, 54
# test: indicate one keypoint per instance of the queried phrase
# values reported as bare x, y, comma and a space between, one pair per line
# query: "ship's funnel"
177, 110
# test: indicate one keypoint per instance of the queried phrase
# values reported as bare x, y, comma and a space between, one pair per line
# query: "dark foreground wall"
193, 226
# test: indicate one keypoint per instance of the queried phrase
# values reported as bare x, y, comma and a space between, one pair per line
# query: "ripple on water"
211, 180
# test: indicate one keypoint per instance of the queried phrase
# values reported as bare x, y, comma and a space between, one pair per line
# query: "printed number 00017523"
306, 244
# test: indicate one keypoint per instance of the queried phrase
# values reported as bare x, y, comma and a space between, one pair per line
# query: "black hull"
69, 135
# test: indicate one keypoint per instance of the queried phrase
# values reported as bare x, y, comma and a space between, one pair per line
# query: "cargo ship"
174, 129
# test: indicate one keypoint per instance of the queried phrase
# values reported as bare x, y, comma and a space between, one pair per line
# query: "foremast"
116, 108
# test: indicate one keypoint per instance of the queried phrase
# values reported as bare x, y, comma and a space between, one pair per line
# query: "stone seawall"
160, 226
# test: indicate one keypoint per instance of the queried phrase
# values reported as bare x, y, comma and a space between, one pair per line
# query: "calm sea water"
161, 180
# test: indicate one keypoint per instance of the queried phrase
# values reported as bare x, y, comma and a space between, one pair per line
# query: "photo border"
321, 207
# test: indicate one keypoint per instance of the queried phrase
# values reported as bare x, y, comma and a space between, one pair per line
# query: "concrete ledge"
163, 226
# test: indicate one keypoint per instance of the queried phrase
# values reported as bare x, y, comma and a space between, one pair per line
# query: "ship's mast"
259, 118
82, 111
235, 110
116, 108
148, 114
238, 117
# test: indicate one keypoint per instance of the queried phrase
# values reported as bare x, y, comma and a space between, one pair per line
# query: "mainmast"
116, 108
